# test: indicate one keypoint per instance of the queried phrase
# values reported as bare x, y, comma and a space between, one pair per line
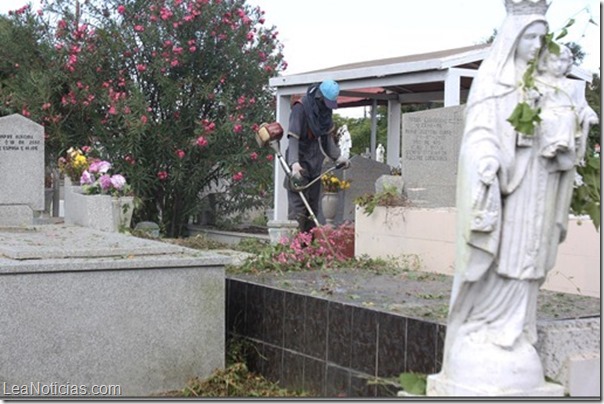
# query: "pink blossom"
201, 141
237, 128
238, 176
112, 110
86, 149
141, 67
105, 181
162, 175
254, 156
192, 49
144, 119
165, 13
86, 178
118, 181
99, 166
139, 28
270, 157
121, 9
180, 153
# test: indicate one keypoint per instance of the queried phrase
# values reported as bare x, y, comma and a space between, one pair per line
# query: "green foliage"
322, 247
236, 381
388, 197
172, 91
586, 195
593, 94
524, 118
413, 383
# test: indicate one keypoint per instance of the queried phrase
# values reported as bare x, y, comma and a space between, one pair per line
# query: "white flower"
99, 167
118, 181
86, 178
578, 180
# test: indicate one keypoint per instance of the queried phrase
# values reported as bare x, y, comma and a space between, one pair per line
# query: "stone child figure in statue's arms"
565, 115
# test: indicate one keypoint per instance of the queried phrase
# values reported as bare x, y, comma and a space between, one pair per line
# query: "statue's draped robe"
507, 232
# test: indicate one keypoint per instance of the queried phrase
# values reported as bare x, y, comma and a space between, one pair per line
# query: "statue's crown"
520, 7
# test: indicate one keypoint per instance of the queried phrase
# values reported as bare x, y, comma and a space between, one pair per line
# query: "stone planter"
100, 212
278, 229
428, 236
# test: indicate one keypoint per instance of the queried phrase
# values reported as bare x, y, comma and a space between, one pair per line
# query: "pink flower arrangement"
97, 180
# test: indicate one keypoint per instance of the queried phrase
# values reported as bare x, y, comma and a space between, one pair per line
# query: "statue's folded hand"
487, 170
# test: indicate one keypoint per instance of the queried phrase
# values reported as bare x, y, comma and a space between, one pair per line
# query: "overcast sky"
325, 33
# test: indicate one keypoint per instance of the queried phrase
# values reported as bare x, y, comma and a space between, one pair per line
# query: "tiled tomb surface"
334, 333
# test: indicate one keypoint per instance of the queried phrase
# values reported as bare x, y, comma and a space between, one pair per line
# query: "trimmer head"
269, 132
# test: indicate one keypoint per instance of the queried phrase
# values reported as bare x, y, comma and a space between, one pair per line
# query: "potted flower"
97, 179
333, 184
74, 163
104, 200
329, 202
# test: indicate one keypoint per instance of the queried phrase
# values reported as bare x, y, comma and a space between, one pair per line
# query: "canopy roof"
442, 77
408, 79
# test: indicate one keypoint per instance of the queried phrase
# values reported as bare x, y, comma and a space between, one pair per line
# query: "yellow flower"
331, 183
80, 161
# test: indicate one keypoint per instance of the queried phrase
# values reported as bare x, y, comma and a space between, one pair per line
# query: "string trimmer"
270, 135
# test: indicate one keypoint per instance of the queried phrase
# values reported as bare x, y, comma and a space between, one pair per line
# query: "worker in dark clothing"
311, 139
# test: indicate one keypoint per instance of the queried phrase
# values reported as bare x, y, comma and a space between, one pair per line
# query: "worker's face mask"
322, 105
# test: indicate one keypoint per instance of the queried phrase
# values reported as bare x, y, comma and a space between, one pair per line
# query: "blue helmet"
330, 90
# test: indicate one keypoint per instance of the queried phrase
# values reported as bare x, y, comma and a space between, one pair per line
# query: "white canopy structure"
442, 77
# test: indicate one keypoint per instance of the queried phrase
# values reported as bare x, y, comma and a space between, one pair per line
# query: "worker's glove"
296, 177
342, 162
297, 170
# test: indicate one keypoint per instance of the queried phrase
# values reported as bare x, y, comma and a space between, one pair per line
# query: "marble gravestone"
22, 170
430, 149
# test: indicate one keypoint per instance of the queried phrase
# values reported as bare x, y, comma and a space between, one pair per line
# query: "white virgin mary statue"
512, 212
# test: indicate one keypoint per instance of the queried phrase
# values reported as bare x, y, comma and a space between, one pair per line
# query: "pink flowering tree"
171, 91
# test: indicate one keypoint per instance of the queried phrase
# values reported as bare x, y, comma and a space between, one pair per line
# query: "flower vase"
100, 212
123, 207
329, 206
